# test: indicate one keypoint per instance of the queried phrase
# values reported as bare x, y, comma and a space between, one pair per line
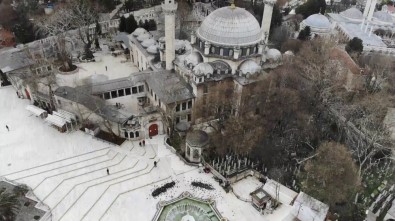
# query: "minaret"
267, 19
367, 7
169, 7
371, 9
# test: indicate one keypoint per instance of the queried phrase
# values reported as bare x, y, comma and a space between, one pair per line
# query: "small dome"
383, 16
143, 37
203, 69
289, 53
148, 42
153, 49
194, 58
317, 21
273, 54
352, 13
139, 31
197, 138
230, 26
182, 126
249, 66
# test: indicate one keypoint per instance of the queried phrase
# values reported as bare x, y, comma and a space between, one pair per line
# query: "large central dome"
230, 26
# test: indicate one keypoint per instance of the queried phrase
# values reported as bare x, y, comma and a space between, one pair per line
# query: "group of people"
142, 143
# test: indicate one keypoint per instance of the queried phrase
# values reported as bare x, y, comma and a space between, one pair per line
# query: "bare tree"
331, 176
56, 27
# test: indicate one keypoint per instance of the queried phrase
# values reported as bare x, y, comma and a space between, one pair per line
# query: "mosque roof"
148, 42
143, 37
203, 69
383, 16
194, 58
230, 26
197, 138
153, 49
249, 66
317, 21
139, 31
352, 13
273, 54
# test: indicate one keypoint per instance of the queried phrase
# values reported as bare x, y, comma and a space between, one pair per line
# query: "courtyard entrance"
153, 130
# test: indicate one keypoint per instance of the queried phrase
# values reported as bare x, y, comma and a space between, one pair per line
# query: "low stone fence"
237, 177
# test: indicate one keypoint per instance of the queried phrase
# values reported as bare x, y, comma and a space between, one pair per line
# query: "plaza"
67, 171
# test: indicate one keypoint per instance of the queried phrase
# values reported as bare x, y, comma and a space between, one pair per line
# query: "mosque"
229, 46
375, 28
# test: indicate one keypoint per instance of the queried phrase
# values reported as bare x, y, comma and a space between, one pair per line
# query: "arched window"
131, 135
212, 49
126, 134
137, 134
196, 154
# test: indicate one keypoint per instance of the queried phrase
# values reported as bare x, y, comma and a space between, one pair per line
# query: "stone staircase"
79, 188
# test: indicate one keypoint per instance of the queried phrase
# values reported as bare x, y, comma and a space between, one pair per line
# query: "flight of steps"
79, 188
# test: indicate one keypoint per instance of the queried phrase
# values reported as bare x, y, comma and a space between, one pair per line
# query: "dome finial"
232, 4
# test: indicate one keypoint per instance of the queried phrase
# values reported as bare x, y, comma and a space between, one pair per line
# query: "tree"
122, 24
354, 46
293, 45
276, 16
56, 26
331, 176
279, 36
311, 7
231, 114
151, 25
304, 34
131, 24
83, 14
9, 205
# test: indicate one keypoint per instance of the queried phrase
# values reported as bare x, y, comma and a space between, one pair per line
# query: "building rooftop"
197, 138
169, 87
14, 59
230, 26
82, 96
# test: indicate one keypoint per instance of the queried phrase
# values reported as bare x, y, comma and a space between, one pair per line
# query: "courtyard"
67, 171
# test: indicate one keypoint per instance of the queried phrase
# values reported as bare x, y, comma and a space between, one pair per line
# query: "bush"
354, 45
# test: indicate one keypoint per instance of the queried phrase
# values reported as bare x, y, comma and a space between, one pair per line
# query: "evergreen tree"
141, 23
122, 24
305, 34
146, 25
311, 7
354, 45
152, 25
23, 30
131, 24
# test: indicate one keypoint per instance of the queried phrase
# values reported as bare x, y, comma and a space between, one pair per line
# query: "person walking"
140, 143
155, 163
143, 142
108, 171
106, 68
8, 129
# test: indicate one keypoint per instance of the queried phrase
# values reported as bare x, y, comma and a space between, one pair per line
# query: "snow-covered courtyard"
67, 171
